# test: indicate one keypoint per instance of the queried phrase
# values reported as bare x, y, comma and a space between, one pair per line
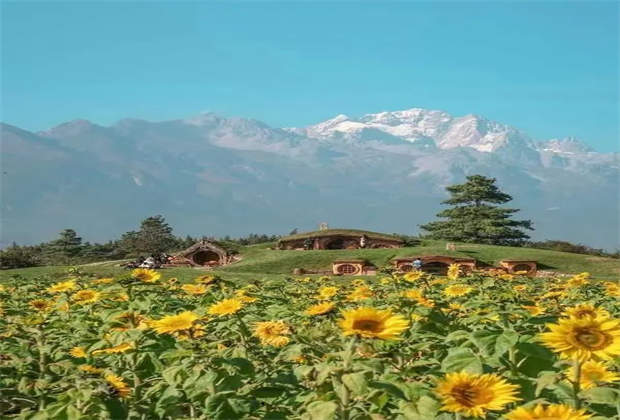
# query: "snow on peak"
416, 123
565, 146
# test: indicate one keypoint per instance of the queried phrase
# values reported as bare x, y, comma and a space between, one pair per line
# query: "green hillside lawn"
259, 262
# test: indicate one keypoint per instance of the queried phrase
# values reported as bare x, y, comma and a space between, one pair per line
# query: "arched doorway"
435, 267
335, 244
521, 267
206, 258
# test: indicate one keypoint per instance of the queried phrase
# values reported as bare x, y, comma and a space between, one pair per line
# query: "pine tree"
66, 248
473, 219
155, 236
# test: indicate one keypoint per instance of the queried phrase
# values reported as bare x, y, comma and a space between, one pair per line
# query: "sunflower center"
367, 325
584, 312
591, 338
467, 395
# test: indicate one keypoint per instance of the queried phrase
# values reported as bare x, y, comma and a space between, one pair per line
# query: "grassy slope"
259, 261
316, 233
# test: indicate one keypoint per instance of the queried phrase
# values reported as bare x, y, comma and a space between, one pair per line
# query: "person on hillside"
417, 264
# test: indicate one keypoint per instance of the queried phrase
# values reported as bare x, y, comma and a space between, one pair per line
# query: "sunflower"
121, 348
373, 323
241, 295
413, 276
225, 307
206, 279
327, 292
173, 323
78, 352
454, 271
86, 296
550, 412
586, 310
584, 338
474, 394
63, 286
612, 289
90, 369
194, 289
592, 372
41, 304
324, 278
146, 275
358, 282
577, 281
106, 280
319, 309
272, 333
385, 280
457, 290
360, 293
555, 294
520, 288
534, 310
413, 294
118, 385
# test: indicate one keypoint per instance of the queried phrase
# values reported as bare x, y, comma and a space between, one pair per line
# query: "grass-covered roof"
330, 232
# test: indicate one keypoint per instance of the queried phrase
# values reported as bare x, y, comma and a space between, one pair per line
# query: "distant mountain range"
210, 175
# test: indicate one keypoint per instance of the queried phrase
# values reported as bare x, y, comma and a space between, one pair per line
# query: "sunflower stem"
577, 383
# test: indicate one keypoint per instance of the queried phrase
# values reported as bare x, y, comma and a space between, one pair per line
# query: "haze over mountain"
210, 175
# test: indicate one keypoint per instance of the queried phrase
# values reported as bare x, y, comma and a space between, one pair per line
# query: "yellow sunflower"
473, 394
549, 412
106, 280
86, 296
225, 307
592, 372
272, 333
584, 338
327, 292
586, 310
360, 293
457, 290
319, 309
454, 271
520, 288
194, 289
577, 281
373, 323
241, 295
534, 310
173, 323
413, 294
63, 286
41, 304
78, 352
90, 369
612, 289
413, 276
121, 348
206, 279
146, 275
118, 385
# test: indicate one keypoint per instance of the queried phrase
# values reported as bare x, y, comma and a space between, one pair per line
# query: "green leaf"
602, 395
321, 410
355, 382
461, 359
505, 341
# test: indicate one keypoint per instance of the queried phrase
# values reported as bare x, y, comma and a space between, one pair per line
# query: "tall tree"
155, 236
66, 248
473, 219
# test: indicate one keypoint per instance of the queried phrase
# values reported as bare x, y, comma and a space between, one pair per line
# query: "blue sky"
548, 68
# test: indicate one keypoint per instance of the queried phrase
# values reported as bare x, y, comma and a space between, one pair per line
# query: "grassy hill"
259, 261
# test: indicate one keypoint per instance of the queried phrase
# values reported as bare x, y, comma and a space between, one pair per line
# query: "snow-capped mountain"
214, 175
417, 124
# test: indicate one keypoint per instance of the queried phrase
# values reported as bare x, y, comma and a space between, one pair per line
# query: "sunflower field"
144, 346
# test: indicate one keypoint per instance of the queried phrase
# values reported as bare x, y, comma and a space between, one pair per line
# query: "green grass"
260, 262
356, 232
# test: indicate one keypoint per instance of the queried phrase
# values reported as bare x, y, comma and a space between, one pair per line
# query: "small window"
406, 267
347, 269
521, 267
